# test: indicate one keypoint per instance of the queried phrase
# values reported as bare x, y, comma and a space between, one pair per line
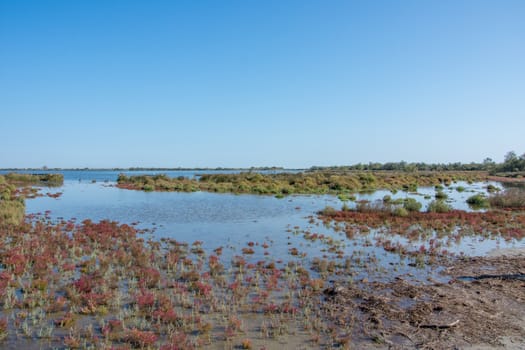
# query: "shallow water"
231, 220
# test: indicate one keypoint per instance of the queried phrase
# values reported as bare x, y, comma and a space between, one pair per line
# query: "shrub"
491, 188
478, 201
397, 201
438, 206
441, 195
246, 344
344, 197
140, 339
410, 187
510, 198
328, 211
387, 199
460, 189
400, 211
11, 211
411, 204
36, 179
148, 187
364, 206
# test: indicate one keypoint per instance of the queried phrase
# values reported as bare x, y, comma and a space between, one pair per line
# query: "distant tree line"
511, 163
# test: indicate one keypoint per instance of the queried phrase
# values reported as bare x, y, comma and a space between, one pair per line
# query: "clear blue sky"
259, 83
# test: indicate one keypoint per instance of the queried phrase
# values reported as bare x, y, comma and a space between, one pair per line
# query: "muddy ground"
480, 306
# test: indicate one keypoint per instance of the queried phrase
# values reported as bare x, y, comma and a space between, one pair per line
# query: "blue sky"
259, 83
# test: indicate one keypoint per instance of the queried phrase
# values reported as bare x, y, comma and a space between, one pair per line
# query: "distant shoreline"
148, 169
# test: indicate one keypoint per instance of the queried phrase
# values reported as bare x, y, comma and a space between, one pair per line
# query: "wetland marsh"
98, 266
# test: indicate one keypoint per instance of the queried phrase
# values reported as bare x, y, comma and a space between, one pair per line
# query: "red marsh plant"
124, 290
140, 339
3, 328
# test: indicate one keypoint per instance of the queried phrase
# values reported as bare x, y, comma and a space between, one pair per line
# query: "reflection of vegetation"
312, 182
478, 201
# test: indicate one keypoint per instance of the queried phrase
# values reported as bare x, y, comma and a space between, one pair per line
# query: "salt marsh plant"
512, 198
478, 201
308, 182
411, 205
440, 195
438, 206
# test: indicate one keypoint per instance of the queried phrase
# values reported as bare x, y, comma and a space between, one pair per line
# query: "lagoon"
232, 220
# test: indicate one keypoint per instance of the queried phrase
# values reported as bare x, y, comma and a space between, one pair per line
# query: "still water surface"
226, 219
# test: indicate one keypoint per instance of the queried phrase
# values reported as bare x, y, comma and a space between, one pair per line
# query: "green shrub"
5, 193
35, 179
387, 199
438, 206
478, 201
440, 195
411, 204
363, 206
11, 212
328, 211
400, 211
344, 197
460, 189
410, 187
148, 187
492, 189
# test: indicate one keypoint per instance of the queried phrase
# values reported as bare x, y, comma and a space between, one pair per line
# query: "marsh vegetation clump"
438, 206
411, 205
492, 189
400, 211
478, 201
35, 179
12, 204
342, 183
511, 198
105, 285
328, 211
440, 195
